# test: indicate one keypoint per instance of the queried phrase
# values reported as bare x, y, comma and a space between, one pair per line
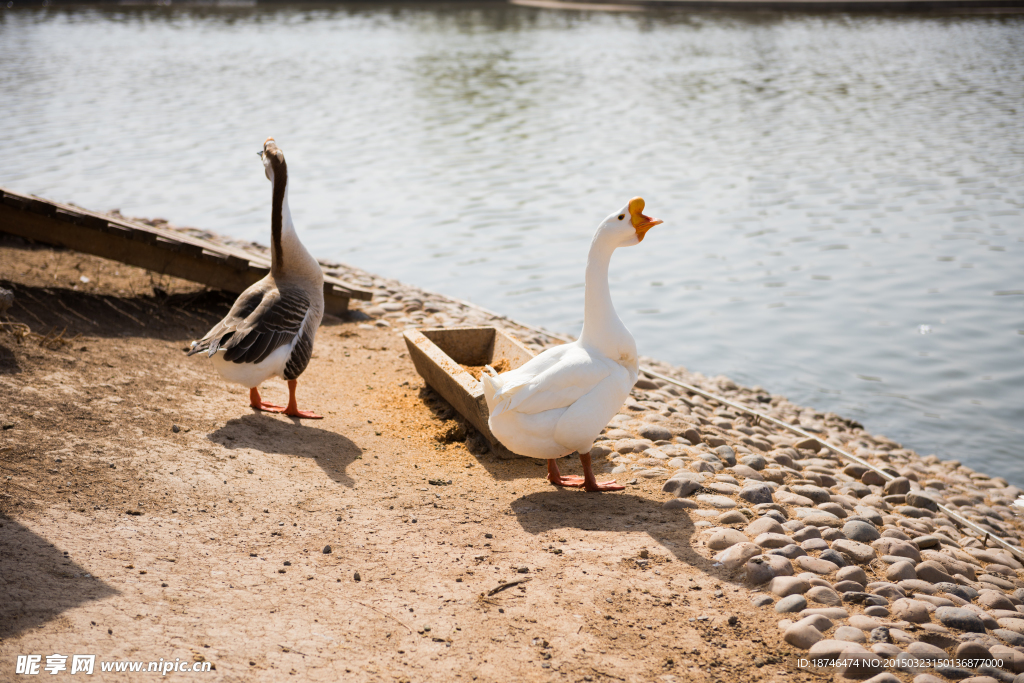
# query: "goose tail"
492, 387
198, 347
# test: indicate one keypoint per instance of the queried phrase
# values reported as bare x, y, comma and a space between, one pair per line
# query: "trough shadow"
37, 582
268, 434
616, 512
502, 466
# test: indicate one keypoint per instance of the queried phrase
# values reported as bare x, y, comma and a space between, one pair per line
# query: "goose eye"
621, 216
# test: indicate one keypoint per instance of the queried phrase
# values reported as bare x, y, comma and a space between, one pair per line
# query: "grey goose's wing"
244, 306
263, 319
301, 353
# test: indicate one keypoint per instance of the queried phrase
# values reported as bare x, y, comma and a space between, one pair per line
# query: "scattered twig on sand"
52, 340
144, 308
190, 299
29, 489
24, 292
127, 315
74, 312
380, 612
29, 311
19, 330
184, 312
504, 586
606, 674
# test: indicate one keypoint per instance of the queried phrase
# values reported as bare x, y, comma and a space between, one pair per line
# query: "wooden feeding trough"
440, 353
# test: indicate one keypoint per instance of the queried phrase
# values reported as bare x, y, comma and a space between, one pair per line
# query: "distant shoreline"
969, 6
912, 6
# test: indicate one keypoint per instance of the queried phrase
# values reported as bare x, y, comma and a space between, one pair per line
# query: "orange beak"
641, 223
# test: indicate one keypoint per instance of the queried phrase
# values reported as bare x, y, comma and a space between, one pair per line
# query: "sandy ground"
147, 512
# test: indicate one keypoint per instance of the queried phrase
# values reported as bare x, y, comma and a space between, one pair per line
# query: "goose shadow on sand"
268, 434
8, 361
572, 508
623, 512
38, 582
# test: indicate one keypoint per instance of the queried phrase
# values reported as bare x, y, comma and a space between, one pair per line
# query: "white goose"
270, 328
560, 400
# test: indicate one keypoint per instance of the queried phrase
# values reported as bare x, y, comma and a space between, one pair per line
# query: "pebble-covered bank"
850, 562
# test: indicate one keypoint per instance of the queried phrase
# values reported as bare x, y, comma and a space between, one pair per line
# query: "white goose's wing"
557, 385
585, 418
499, 388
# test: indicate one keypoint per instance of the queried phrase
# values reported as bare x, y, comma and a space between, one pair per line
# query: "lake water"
843, 195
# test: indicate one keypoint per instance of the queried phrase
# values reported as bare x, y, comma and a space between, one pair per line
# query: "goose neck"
280, 216
288, 257
602, 328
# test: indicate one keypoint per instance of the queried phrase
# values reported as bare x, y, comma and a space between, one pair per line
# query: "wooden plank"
192, 249
14, 200
143, 236
238, 257
36, 205
165, 243
90, 221
117, 229
238, 263
113, 245
67, 216
157, 249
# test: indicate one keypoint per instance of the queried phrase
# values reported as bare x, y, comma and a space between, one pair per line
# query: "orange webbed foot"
309, 414
265, 407
256, 402
566, 480
556, 477
597, 487
293, 409
590, 482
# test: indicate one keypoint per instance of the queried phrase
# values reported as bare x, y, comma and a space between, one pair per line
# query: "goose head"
273, 159
627, 227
